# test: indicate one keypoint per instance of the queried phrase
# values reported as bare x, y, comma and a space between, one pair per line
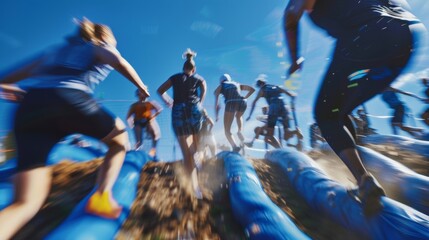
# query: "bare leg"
352, 160
269, 138
31, 189
239, 120
227, 121
187, 144
116, 141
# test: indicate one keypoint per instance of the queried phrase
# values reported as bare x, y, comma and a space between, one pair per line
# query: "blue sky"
239, 37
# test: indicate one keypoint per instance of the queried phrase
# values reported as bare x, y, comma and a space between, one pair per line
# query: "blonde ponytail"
86, 29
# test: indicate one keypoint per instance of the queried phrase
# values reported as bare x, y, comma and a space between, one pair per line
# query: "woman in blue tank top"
189, 91
425, 114
375, 39
277, 110
61, 104
235, 105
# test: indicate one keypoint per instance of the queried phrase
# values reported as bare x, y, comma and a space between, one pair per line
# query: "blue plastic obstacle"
59, 153
395, 221
81, 225
399, 181
255, 211
419, 147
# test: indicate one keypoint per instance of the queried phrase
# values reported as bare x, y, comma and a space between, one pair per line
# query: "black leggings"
365, 62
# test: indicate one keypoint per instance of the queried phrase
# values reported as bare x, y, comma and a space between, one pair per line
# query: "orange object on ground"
100, 204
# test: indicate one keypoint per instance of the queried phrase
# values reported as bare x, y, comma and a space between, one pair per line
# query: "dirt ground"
165, 209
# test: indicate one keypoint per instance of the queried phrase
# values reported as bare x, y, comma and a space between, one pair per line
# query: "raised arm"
162, 91
108, 55
292, 15
290, 94
8, 78
217, 106
260, 94
22, 71
250, 90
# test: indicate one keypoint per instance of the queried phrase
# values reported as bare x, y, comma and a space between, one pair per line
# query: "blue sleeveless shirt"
71, 65
230, 91
185, 88
272, 94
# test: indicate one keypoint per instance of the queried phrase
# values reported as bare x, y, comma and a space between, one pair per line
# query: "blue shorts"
47, 115
187, 118
238, 105
278, 111
142, 122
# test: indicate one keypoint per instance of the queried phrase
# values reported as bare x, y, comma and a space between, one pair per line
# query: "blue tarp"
80, 225
395, 221
255, 211
419, 147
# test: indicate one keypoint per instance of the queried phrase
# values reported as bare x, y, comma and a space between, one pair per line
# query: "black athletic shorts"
47, 115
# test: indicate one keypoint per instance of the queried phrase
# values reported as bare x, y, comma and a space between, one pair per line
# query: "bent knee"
118, 136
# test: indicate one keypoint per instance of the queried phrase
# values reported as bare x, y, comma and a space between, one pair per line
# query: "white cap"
225, 78
262, 77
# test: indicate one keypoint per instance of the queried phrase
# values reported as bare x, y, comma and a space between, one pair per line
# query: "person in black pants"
374, 42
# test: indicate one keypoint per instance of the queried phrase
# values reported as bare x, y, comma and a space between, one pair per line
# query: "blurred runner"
425, 114
391, 98
189, 91
374, 41
235, 105
143, 114
60, 104
316, 137
276, 110
206, 137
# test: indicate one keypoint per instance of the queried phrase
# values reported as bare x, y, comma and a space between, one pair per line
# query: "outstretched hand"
11, 93
145, 91
295, 66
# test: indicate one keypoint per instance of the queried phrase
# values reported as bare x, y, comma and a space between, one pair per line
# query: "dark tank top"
230, 91
272, 94
339, 16
185, 88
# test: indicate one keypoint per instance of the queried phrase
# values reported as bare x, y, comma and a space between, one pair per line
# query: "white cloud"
207, 29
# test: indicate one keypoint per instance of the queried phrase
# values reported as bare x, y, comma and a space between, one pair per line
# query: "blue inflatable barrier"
6, 194
255, 211
60, 152
399, 181
7, 169
81, 225
419, 147
395, 221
